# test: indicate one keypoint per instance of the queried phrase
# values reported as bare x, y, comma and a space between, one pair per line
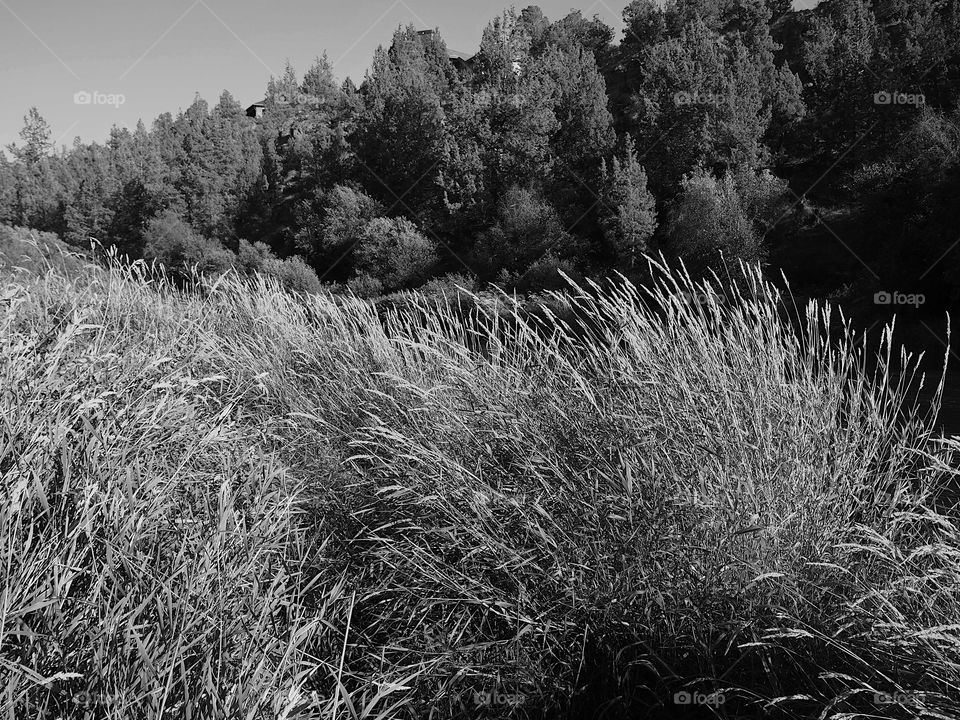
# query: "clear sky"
157, 55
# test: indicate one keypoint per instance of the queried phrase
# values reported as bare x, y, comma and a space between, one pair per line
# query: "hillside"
23, 250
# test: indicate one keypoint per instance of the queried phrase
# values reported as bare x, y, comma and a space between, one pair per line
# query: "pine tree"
399, 140
629, 216
7, 190
536, 26
35, 135
676, 110
574, 30
319, 85
35, 191
505, 48
584, 132
510, 119
840, 58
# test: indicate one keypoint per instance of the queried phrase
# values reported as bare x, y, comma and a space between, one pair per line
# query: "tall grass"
227, 501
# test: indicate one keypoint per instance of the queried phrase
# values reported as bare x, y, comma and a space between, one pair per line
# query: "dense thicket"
555, 147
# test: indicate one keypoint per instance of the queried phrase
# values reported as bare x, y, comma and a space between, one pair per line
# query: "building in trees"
257, 109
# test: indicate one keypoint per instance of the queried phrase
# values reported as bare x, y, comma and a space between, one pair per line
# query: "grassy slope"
236, 503
28, 251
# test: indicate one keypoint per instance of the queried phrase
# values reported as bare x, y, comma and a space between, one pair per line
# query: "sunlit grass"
227, 501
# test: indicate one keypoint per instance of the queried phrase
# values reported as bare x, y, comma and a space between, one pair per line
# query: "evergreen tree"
35, 190
574, 30
535, 26
504, 49
89, 180
583, 134
511, 118
839, 57
400, 137
629, 216
7, 189
35, 135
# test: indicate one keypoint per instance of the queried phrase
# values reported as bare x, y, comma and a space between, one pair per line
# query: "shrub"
175, 245
294, 275
395, 252
544, 274
527, 226
32, 252
253, 257
726, 216
338, 221
452, 284
365, 286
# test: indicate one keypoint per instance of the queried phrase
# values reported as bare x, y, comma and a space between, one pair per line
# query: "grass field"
225, 501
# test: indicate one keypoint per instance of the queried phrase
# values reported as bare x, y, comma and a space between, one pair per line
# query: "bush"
365, 286
724, 217
395, 252
527, 226
178, 248
253, 257
294, 274
450, 285
544, 274
25, 250
335, 221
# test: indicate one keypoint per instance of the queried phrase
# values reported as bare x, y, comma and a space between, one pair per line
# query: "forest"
819, 142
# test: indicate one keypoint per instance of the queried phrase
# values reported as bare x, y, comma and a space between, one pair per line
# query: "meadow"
225, 500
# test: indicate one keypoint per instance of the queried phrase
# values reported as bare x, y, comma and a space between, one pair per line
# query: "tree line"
557, 147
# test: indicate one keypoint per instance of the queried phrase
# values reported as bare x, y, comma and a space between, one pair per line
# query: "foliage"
749, 88
174, 244
724, 217
334, 222
394, 252
527, 226
629, 209
294, 275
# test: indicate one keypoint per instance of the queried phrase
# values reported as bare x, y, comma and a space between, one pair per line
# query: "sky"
92, 64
